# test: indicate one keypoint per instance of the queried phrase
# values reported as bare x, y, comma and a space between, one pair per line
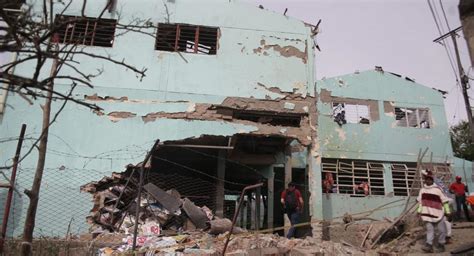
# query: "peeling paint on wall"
285, 51
118, 115
389, 108
288, 105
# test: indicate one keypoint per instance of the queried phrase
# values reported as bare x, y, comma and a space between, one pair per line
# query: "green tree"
463, 146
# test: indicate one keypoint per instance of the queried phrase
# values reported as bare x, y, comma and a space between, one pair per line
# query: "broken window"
350, 113
85, 30
186, 38
272, 118
412, 117
353, 177
402, 176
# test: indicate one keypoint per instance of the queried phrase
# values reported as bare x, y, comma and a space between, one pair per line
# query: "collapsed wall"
278, 123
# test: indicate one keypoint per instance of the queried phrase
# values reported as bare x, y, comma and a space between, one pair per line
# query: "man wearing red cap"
459, 190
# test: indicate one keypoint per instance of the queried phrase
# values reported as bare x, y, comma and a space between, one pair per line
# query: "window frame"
71, 22
408, 178
417, 114
346, 169
198, 34
335, 103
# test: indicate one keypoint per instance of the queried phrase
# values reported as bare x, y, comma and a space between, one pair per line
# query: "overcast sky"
395, 34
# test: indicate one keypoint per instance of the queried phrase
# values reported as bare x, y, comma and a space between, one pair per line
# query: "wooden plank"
366, 235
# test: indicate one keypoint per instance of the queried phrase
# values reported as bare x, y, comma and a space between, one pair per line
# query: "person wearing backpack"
292, 202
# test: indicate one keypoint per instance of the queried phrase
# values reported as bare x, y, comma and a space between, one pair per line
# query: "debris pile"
165, 219
199, 243
169, 223
161, 212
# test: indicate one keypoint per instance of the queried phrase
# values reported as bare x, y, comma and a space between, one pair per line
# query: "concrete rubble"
170, 224
245, 244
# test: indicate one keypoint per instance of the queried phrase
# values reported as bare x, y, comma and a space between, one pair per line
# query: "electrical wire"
198, 171
443, 44
450, 53
444, 14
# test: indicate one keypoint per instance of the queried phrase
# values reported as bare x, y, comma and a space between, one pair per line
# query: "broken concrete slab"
169, 202
220, 226
196, 214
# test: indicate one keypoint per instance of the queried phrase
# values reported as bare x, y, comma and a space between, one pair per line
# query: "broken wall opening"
300, 177
209, 171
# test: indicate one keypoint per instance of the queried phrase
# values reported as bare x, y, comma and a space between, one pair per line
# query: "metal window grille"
349, 175
85, 30
413, 117
403, 177
186, 38
354, 113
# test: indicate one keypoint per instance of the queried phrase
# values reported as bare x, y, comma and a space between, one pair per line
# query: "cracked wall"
290, 104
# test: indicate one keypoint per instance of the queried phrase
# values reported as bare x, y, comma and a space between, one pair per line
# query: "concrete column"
271, 197
220, 194
288, 179
316, 199
243, 214
258, 197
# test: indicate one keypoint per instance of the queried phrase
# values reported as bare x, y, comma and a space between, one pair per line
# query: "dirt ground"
408, 243
463, 233
343, 239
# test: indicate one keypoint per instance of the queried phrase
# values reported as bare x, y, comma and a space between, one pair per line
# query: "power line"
443, 44
434, 17
447, 25
444, 14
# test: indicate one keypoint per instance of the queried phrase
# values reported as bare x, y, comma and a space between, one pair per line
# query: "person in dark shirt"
292, 202
459, 190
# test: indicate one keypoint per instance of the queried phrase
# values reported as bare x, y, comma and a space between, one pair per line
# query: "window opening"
350, 113
359, 178
271, 118
186, 38
402, 176
412, 117
85, 30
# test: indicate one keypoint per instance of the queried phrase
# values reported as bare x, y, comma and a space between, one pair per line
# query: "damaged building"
232, 98
372, 128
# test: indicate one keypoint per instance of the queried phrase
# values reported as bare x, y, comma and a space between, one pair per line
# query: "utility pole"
462, 78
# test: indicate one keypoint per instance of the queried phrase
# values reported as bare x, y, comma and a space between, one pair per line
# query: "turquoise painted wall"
382, 139
85, 147
236, 69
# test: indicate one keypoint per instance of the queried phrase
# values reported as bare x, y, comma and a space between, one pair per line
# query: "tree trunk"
33, 194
